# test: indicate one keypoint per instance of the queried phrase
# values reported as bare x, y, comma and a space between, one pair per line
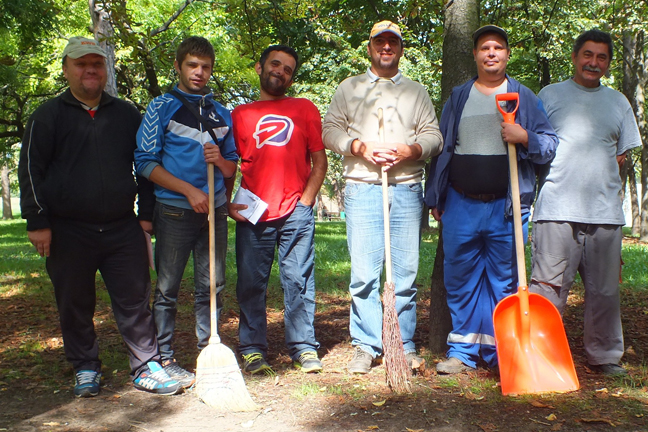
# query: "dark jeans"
179, 232
255, 248
119, 253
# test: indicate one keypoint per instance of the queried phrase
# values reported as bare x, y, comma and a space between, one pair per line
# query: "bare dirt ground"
293, 401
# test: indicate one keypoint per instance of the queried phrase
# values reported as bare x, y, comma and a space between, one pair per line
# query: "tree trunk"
7, 212
104, 34
461, 20
440, 321
634, 87
320, 207
634, 197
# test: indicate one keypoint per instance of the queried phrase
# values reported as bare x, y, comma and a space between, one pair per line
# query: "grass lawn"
32, 359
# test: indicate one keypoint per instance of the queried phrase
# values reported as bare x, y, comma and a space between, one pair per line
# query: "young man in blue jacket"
469, 192
173, 150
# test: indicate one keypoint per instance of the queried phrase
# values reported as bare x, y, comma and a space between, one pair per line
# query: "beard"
273, 85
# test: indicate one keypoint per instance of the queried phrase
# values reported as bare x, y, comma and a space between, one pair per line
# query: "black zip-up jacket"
76, 167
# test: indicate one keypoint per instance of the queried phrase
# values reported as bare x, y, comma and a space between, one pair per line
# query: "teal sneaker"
153, 379
255, 362
86, 383
308, 362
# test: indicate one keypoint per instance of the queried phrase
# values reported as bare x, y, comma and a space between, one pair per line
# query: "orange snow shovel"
532, 348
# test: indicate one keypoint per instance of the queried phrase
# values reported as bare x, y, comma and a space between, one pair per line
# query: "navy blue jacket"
530, 115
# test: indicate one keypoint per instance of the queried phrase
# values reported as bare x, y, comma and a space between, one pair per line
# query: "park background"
331, 37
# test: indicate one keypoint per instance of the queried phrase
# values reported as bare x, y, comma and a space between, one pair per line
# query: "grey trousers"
560, 249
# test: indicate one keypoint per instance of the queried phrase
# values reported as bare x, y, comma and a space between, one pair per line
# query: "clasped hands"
384, 154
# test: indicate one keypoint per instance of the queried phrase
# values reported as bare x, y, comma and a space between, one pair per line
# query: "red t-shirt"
274, 140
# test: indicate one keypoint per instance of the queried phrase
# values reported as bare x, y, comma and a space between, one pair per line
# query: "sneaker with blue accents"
154, 379
86, 383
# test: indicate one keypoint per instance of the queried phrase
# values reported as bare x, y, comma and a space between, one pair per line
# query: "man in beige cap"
77, 194
412, 135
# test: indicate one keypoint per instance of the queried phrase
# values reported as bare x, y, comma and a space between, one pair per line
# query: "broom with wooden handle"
396, 368
219, 382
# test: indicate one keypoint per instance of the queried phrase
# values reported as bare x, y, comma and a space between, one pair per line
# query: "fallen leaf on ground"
552, 417
539, 404
472, 396
598, 420
488, 427
372, 427
380, 403
414, 430
539, 422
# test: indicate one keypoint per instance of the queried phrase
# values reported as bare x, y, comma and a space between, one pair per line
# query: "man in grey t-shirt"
578, 215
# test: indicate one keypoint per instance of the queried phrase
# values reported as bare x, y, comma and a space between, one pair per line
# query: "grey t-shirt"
594, 125
479, 164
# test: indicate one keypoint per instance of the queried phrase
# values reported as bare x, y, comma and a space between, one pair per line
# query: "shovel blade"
536, 360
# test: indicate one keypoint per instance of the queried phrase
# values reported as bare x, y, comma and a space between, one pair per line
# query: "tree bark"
320, 207
7, 212
634, 196
461, 20
635, 82
104, 34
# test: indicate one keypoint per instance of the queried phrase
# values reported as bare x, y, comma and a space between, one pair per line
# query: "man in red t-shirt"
283, 162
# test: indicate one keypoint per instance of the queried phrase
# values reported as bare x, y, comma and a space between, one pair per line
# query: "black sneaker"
609, 369
255, 362
361, 362
308, 362
173, 369
86, 383
154, 379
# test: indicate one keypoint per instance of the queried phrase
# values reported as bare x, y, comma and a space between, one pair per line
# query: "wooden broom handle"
385, 194
213, 311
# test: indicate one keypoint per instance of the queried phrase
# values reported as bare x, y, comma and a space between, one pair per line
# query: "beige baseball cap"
79, 46
385, 26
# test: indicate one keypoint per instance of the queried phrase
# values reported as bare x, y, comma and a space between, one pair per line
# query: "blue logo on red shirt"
274, 130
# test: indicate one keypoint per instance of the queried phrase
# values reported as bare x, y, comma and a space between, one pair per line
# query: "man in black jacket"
77, 194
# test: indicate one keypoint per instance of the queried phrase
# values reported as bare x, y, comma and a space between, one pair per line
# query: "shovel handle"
509, 117
523, 289
517, 215
385, 194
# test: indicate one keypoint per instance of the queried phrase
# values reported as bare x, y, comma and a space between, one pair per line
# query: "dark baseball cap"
489, 29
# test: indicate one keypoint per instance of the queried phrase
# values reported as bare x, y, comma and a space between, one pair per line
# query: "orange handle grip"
509, 117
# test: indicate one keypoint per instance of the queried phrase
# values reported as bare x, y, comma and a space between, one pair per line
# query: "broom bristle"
219, 382
396, 368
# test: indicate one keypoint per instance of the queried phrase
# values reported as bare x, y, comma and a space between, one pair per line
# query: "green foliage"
330, 37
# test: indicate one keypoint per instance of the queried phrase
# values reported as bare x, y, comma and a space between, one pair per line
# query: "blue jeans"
255, 247
479, 271
179, 232
365, 237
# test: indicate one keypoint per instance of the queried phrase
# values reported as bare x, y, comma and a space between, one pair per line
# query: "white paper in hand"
256, 206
